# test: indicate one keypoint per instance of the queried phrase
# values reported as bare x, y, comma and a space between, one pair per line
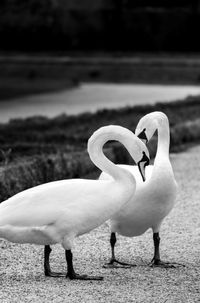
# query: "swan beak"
141, 166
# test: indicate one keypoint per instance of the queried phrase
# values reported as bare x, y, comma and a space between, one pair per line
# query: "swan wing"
73, 200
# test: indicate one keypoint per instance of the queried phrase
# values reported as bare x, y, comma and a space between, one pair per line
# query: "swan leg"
156, 261
47, 268
71, 274
114, 263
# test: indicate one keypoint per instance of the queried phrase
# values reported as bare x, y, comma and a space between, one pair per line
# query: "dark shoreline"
22, 74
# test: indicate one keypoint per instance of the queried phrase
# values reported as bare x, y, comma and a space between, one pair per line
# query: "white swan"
153, 199
57, 212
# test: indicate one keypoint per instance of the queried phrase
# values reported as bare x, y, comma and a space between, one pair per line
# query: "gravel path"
21, 266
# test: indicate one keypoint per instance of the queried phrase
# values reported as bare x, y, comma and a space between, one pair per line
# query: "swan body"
33, 216
57, 212
142, 213
155, 198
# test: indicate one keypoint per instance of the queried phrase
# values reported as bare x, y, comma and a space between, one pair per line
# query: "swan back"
77, 201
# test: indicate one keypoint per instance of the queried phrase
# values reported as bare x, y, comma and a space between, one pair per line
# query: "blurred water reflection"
91, 97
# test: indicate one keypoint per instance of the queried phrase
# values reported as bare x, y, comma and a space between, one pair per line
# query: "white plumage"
59, 211
153, 199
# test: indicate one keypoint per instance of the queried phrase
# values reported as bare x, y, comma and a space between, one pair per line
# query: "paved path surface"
21, 267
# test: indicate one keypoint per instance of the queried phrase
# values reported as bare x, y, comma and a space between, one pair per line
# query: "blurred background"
68, 67
56, 46
101, 25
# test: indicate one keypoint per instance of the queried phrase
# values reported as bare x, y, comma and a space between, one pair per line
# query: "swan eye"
143, 136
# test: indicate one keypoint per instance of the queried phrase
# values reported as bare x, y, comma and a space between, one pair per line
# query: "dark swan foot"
117, 264
47, 268
54, 274
159, 263
71, 274
75, 276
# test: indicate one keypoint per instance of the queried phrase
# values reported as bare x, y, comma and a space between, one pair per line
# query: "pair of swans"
153, 200
59, 211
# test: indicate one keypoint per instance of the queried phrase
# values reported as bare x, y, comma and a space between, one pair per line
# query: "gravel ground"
21, 266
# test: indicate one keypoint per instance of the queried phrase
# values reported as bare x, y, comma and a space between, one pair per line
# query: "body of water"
91, 97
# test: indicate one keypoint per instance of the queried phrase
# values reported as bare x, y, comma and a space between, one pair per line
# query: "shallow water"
91, 97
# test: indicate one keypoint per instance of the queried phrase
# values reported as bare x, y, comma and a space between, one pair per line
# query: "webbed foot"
75, 276
54, 274
159, 263
117, 264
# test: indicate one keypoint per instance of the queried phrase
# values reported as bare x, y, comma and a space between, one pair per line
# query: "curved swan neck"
95, 150
163, 137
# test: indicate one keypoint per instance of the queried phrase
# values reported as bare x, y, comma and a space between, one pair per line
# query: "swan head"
140, 154
148, 125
